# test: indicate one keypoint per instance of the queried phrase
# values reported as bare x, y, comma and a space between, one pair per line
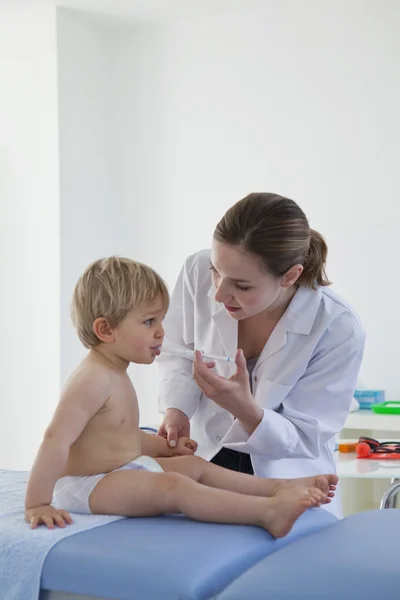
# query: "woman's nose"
222, 294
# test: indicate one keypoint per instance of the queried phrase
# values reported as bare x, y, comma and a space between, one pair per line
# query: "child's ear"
103, 331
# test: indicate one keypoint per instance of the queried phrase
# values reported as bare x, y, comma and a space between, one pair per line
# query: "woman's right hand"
174, 426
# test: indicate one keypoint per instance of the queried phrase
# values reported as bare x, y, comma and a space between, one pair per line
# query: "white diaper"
72, 493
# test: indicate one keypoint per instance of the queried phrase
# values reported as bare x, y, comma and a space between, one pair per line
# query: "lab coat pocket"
270, 394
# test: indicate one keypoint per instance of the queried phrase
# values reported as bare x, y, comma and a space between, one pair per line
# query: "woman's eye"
214, 271
243, 288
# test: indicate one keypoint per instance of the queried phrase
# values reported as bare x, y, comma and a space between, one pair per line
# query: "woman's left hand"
233, 394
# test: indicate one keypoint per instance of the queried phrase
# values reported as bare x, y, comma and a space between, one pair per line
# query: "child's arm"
151, 446
82, 399
157, 447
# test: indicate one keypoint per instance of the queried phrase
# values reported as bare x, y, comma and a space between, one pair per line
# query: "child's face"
139, 336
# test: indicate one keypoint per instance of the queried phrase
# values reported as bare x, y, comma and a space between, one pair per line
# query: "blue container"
366, 398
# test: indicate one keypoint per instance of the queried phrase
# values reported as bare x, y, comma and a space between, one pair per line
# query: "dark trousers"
233, 460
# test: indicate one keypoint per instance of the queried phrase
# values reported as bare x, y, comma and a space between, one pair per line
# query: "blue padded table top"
166, 557
357, 558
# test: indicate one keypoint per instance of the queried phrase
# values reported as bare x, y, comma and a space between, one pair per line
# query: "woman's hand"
174, 426
233, 394
185, 447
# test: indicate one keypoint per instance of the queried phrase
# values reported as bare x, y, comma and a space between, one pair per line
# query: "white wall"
300, 98
110, 162
139, 168
161, 130
87, 202
29, 232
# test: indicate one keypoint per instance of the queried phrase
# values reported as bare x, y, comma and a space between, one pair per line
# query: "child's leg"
144, 494
214, 476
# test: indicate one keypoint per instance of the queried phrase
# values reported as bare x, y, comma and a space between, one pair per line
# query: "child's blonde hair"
110, 288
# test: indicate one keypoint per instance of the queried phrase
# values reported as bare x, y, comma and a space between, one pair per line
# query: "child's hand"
184, 447
47, 515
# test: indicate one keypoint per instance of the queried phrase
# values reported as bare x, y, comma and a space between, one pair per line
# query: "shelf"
349, 466
368, 420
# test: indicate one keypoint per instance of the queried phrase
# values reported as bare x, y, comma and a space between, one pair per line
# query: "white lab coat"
304, 378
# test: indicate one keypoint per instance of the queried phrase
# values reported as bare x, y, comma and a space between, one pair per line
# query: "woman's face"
241, 283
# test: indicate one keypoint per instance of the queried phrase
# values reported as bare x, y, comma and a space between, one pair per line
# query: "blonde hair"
110, 288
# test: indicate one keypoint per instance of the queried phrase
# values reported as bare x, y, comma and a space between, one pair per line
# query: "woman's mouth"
232, 308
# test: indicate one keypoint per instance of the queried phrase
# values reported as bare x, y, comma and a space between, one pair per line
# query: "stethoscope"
370, 448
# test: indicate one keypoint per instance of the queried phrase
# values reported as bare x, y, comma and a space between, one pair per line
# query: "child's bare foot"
325, 483
283, 510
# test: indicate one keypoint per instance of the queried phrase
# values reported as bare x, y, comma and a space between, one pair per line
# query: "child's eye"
149, 322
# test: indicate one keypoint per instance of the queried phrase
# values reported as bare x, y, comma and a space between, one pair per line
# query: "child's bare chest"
120, 412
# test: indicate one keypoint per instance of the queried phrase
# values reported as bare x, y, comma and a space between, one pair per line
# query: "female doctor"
261, 296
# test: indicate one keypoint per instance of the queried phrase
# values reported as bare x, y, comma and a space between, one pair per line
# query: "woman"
262, 289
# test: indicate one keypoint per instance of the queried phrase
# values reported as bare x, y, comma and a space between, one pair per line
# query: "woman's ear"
103, 331
292, 276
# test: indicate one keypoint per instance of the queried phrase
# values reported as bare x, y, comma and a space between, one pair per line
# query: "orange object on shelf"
347, 446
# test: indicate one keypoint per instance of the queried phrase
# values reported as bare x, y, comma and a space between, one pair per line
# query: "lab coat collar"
298, 319
302, 311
